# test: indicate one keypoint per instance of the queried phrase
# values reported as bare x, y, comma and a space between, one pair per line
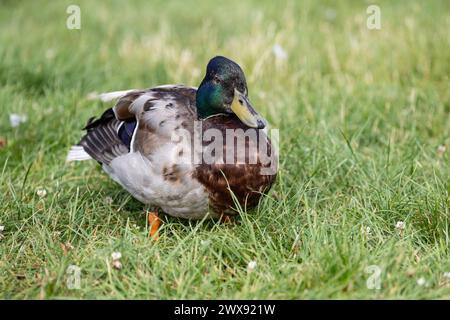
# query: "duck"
188, 152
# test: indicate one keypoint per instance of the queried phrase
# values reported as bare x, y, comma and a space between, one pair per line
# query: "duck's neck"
207, 103
202, 108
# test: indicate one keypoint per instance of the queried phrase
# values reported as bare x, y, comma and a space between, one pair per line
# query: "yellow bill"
245, 111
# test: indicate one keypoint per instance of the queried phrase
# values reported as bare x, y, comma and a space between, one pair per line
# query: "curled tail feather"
101, 142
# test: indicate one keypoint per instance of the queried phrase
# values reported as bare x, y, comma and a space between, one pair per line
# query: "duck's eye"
217, 80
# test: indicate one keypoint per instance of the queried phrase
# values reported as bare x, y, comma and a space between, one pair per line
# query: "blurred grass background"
363, 118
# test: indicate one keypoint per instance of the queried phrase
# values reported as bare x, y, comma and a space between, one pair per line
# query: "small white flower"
108, 200
441, 149
447, 275
135, 226
279, 52
365, 231
400, 225
41, 193
251, 265
17, 119
421, 281
205, 243
2, 228
116, 255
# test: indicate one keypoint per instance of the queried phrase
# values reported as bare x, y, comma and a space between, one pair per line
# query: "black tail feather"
101, 141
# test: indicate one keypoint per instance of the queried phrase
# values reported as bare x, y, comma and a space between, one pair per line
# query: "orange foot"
226, 219
154, 222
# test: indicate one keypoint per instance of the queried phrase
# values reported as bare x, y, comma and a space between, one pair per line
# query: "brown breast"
245, 153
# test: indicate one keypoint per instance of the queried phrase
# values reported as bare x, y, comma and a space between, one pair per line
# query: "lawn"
362, 197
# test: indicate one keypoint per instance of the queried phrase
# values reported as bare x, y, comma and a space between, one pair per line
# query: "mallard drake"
158, 144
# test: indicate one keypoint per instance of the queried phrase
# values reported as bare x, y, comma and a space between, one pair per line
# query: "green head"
224, 90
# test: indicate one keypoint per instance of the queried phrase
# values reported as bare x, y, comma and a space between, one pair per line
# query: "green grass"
361, 115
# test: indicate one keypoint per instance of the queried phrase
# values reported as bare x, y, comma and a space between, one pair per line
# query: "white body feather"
144, 179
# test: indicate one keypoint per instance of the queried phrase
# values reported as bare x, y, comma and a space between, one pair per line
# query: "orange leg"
226, 219
154, 222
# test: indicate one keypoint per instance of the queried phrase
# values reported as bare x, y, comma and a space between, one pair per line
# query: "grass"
361, 115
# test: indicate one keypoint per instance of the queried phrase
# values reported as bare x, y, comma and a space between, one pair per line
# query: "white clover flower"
279, 52
251, 265
116, 255
421, 281
365, 230
447, 275
441, 149
400, 225
16, 119
108, 200
41, 192
205, 243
